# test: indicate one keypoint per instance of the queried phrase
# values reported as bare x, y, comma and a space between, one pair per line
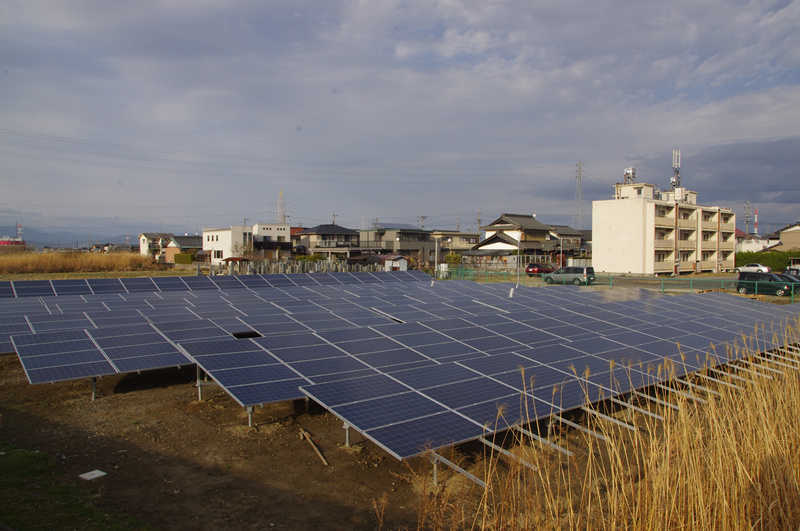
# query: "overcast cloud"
175, 115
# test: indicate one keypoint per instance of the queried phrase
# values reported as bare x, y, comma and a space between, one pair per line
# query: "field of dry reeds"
722, 455
75, 263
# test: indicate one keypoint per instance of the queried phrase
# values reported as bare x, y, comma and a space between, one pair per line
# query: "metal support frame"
691, 385
776, 362
435, 458
201, 382
784, 358
761, 366
610, 419
656, 400
729, 375
94, 387
571, 424
249, 410
681, 393
346, 427
717, 381
506, 453
637, 409
544, 441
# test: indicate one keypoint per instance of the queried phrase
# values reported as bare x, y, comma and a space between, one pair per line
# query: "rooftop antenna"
630, 175
676, 169
333, 219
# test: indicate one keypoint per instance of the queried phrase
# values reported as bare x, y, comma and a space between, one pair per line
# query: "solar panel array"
409, 364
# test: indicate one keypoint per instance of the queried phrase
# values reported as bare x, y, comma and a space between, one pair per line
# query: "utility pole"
479, 221
577, 210
422, 221
333, 219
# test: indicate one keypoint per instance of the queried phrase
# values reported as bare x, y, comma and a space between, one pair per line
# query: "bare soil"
177, 462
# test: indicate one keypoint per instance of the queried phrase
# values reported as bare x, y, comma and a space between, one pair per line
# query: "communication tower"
676, 169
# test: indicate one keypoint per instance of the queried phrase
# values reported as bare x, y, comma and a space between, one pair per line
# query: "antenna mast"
577, 210
676, 169
283, 214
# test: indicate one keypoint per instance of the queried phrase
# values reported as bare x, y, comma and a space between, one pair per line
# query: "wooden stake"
307, 436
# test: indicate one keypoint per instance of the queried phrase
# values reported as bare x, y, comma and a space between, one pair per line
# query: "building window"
218, 254
661, 257
706, 256
686, 256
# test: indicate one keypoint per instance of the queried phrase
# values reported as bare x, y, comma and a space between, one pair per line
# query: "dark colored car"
538, 269
571, 275
792, 271
764, 283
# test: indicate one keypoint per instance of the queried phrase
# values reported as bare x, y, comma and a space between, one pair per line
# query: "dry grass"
56, 263
730, 462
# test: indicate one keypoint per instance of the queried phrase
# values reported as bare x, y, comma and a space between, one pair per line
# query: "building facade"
644, 231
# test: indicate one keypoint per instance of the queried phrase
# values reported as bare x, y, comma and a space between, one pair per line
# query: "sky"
175, 115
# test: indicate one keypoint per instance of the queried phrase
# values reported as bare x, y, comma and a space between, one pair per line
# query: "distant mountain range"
39, 238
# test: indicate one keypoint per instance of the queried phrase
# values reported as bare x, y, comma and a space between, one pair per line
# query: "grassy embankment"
730, 462
44, 266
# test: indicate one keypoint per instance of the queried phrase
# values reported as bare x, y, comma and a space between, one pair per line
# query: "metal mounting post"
760, 366
717, 381
346, 427
436, 458
776, 362
249, 416
94, 387
580, 428
610, 419
506, 453
544, 441
681, 393
631, 407
656, 400
691, 385
729, 375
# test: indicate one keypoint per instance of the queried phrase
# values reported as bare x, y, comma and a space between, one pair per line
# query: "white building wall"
622, 241
273, 232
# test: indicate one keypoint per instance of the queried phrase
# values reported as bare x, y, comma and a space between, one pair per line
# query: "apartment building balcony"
663, 267
664, 221
708, 245
727, 246
687, 224
727, 227
708, 225
664, 244
332, 244
687, 245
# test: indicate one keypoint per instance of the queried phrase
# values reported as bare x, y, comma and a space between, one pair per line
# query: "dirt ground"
180, 463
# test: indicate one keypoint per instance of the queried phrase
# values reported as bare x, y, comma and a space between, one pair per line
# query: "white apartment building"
644, 231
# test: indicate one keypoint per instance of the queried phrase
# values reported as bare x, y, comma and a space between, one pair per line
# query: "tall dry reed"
730, 461
27, 263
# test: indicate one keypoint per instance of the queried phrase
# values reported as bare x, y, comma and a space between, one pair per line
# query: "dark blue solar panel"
468, 392
199, 283
6, 290
227, 282
507, 411
388, 358
61, 359
138, 350
246, 375
311, 352
388, 410
324, 378
138, 284
357, 389
50, 337
71, 287
445, 351
70, 372
349, 335
170, 284
267, 392
317, 367
430, 376
280, 328
106, 285
407, 439
154, 361
33, 288
368, 345
139, 339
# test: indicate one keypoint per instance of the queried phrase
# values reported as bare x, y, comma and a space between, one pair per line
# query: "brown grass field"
35, 266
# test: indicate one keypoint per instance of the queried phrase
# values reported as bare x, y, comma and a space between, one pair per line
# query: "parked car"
538, 269
764, 283
753, 268
792, 271
571, 275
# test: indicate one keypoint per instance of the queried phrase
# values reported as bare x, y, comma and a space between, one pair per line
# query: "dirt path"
180, 463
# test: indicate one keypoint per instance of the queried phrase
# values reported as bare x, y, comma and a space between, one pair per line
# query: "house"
645, 231
182, 245
788, 238
331, 240
407, 240
154, 243
511, 233
452, 242
749, 243
261, 241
